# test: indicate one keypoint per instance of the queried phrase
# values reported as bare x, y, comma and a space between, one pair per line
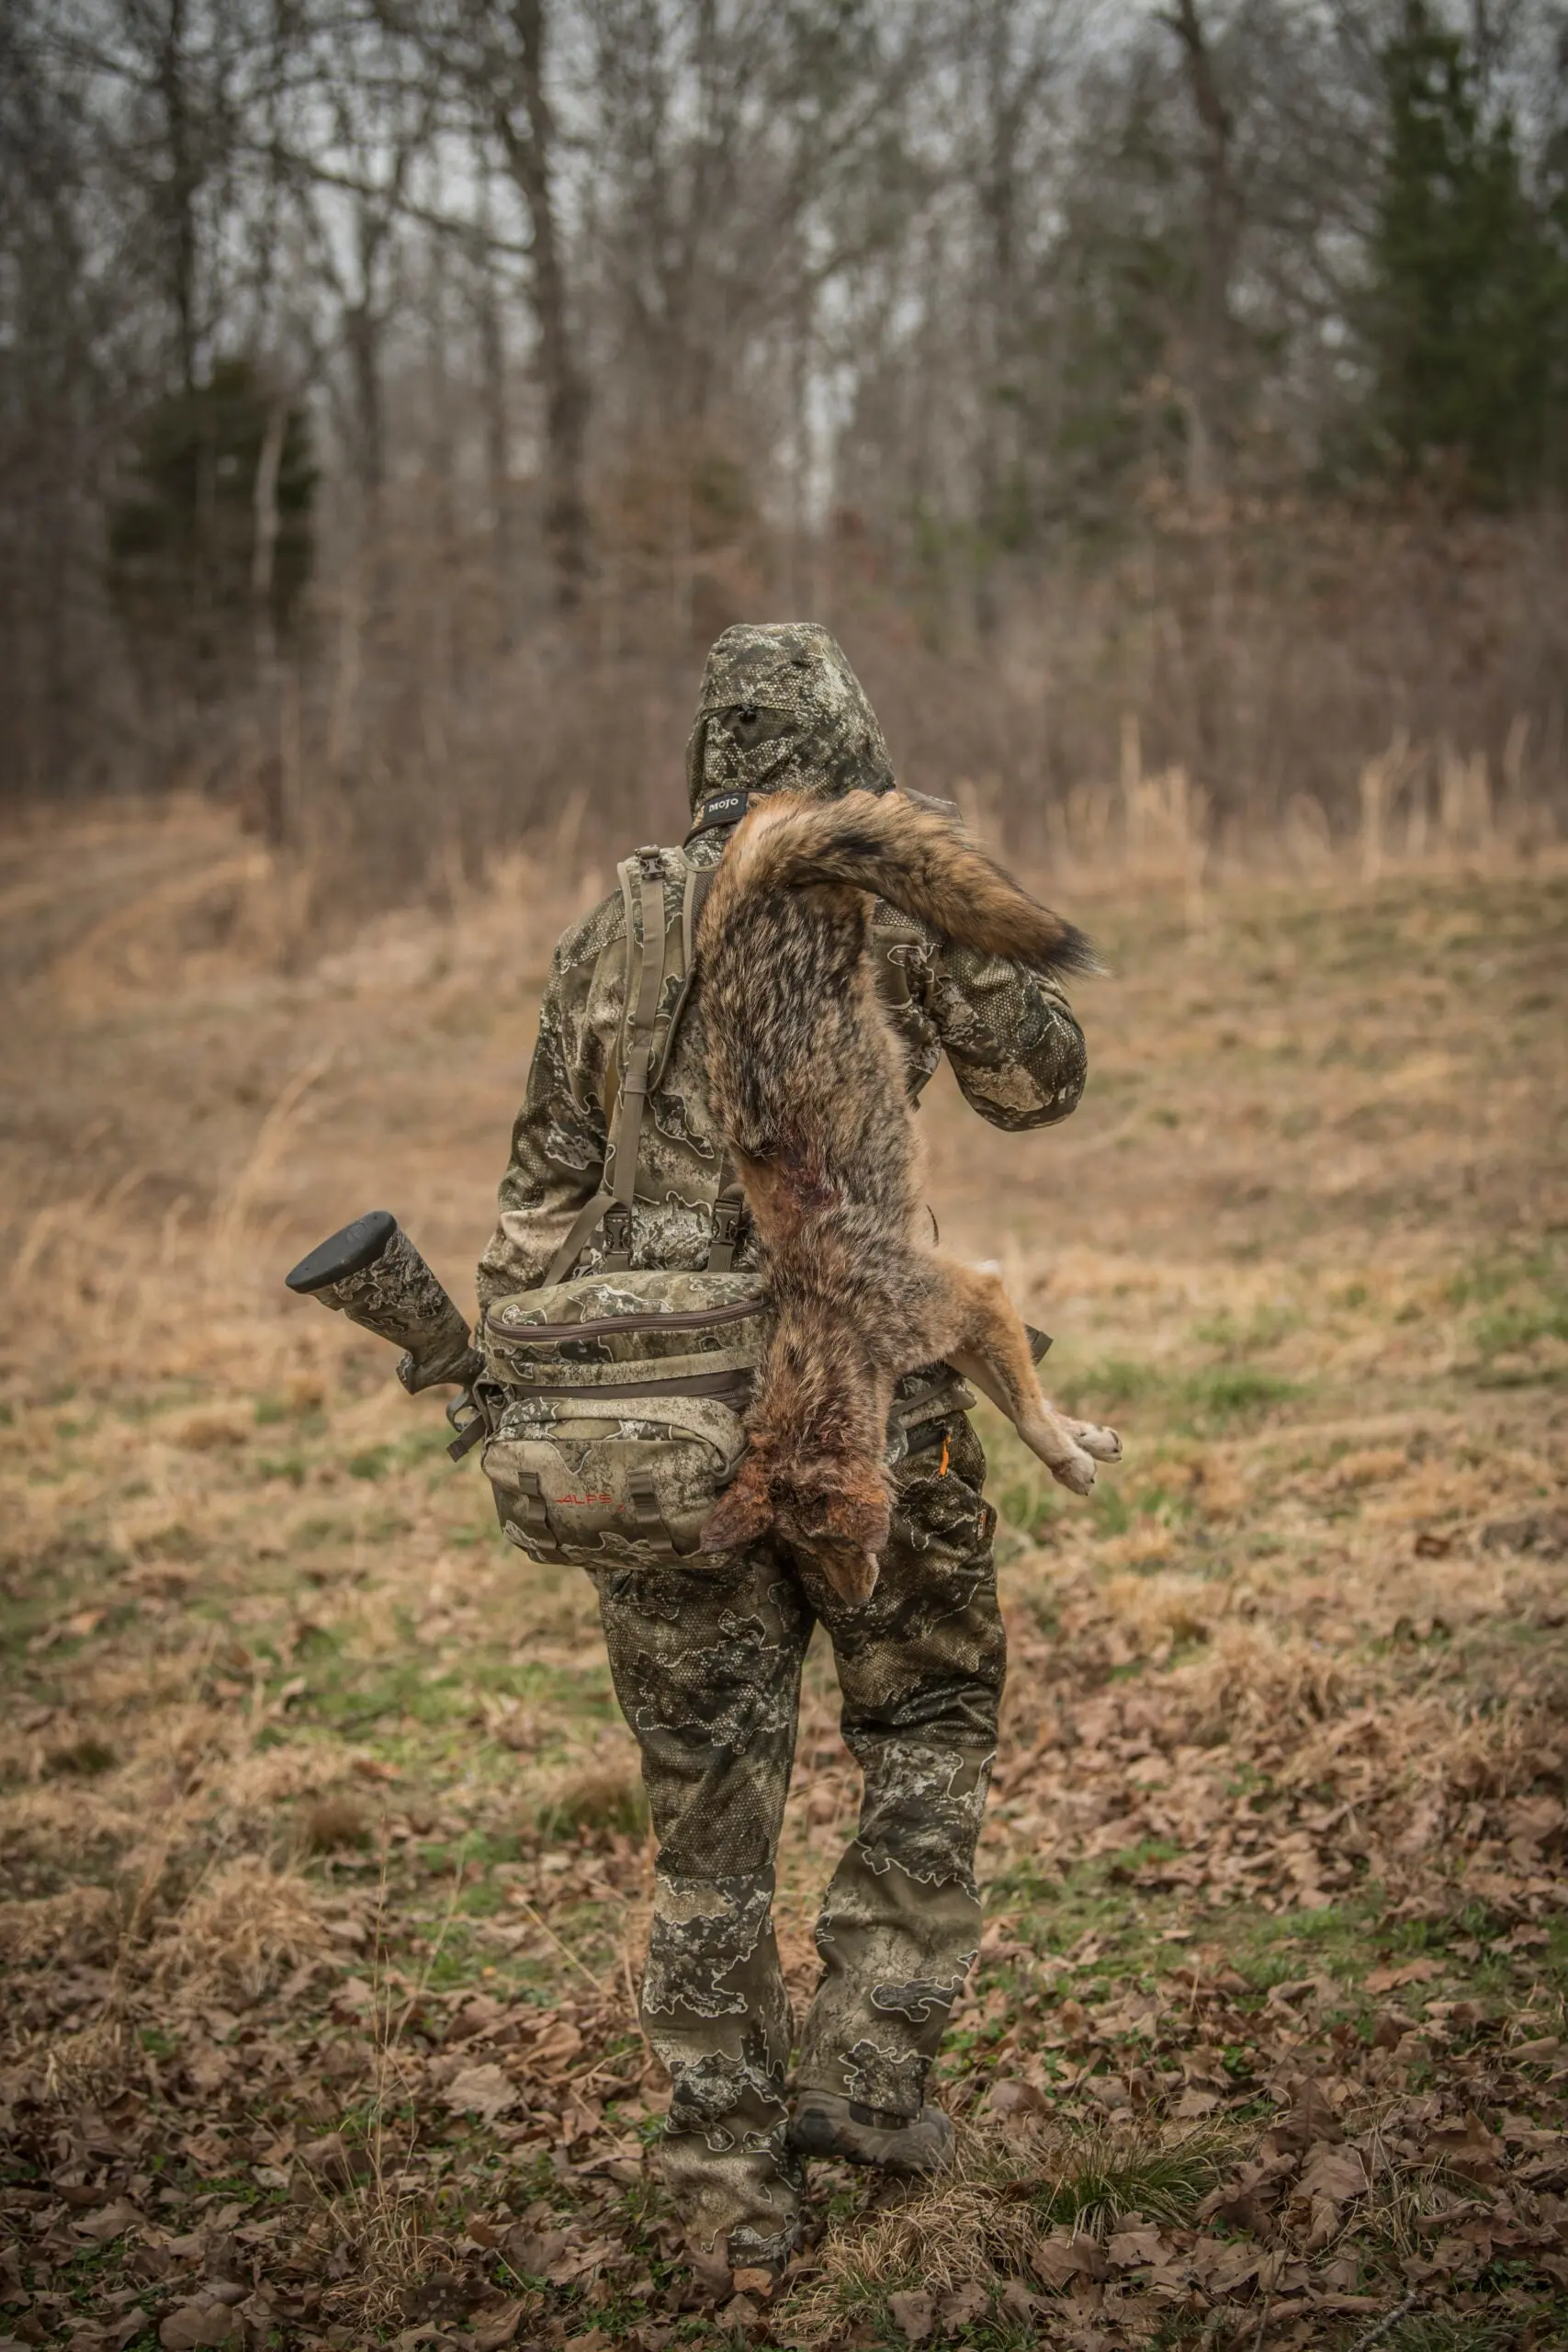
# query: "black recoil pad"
348, 1252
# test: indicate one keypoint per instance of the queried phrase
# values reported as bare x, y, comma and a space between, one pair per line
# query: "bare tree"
1210, 379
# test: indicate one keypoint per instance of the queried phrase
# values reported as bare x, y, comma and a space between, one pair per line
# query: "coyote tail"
915, 859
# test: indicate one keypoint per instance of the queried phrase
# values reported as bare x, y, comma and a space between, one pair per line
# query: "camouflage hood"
781, 710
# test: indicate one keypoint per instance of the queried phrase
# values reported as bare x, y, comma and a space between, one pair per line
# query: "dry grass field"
323, 1858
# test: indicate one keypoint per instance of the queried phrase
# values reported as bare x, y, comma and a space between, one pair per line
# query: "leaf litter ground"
326, 1871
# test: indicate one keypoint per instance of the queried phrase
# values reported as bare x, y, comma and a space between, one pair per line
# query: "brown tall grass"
1238, 681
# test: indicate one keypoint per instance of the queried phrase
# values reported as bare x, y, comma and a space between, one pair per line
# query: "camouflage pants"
707, 1671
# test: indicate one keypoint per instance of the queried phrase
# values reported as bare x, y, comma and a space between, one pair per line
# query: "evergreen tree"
182, 535
1467, 320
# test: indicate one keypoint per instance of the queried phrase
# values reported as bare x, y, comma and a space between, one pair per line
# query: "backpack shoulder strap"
657, 950
642, 884
645, 1052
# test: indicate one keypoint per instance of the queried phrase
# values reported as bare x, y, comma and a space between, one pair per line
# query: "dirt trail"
324, 1854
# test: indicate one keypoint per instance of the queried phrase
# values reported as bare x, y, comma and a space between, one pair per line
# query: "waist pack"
622, 1420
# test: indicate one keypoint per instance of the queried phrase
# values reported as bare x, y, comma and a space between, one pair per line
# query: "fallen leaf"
497, 2326
962, 2305
484, 2091
1059, 2259
109, 2222
532, 2251
1337, 2174
1409, 1972
209, 2067
1222, 2267
1467, 2148
331, 2161
1130, 2249
1010, 2097
194, 2324
577, 2259
562, 2041
914, 2316
479, 2015
1310, 2119
580, 2119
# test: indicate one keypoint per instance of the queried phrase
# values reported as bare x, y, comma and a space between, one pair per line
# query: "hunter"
706, 1660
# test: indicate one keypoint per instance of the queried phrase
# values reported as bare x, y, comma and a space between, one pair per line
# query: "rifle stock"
372, 1272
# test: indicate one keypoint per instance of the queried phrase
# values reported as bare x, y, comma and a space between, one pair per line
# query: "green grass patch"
293, 1468
349, 1696
1238, 1341
1223, 1394
607, 1798
1197, 1403
1519, 1318
1469, 2331
373, 1463
1103, 2180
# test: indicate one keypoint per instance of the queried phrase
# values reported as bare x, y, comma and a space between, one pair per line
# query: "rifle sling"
636, 1077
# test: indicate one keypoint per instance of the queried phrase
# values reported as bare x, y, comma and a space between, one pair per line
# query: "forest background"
394, 398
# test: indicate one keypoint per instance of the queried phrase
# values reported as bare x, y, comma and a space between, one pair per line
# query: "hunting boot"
834, 2129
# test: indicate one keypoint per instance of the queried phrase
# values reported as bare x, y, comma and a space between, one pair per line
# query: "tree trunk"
1211, 392
528, 147
180, 187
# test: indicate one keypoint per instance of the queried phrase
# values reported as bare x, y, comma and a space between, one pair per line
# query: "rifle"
372, 1272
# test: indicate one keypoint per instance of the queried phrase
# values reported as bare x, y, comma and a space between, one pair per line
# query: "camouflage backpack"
618, 1416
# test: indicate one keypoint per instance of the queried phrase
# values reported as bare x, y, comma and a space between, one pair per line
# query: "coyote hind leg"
993, 1352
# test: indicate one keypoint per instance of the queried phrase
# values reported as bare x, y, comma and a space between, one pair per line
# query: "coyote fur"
806, 1082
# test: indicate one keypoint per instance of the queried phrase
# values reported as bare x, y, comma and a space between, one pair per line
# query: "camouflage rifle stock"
372, 1272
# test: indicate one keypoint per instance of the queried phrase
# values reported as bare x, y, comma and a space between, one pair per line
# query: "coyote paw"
1105, 1445
1076, 1472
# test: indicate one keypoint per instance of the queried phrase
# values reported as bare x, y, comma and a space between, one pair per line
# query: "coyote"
806, 1083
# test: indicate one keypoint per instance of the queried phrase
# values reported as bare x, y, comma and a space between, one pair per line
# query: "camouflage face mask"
781, 710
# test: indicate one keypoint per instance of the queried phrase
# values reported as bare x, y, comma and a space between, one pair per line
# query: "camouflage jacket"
1015, 1047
